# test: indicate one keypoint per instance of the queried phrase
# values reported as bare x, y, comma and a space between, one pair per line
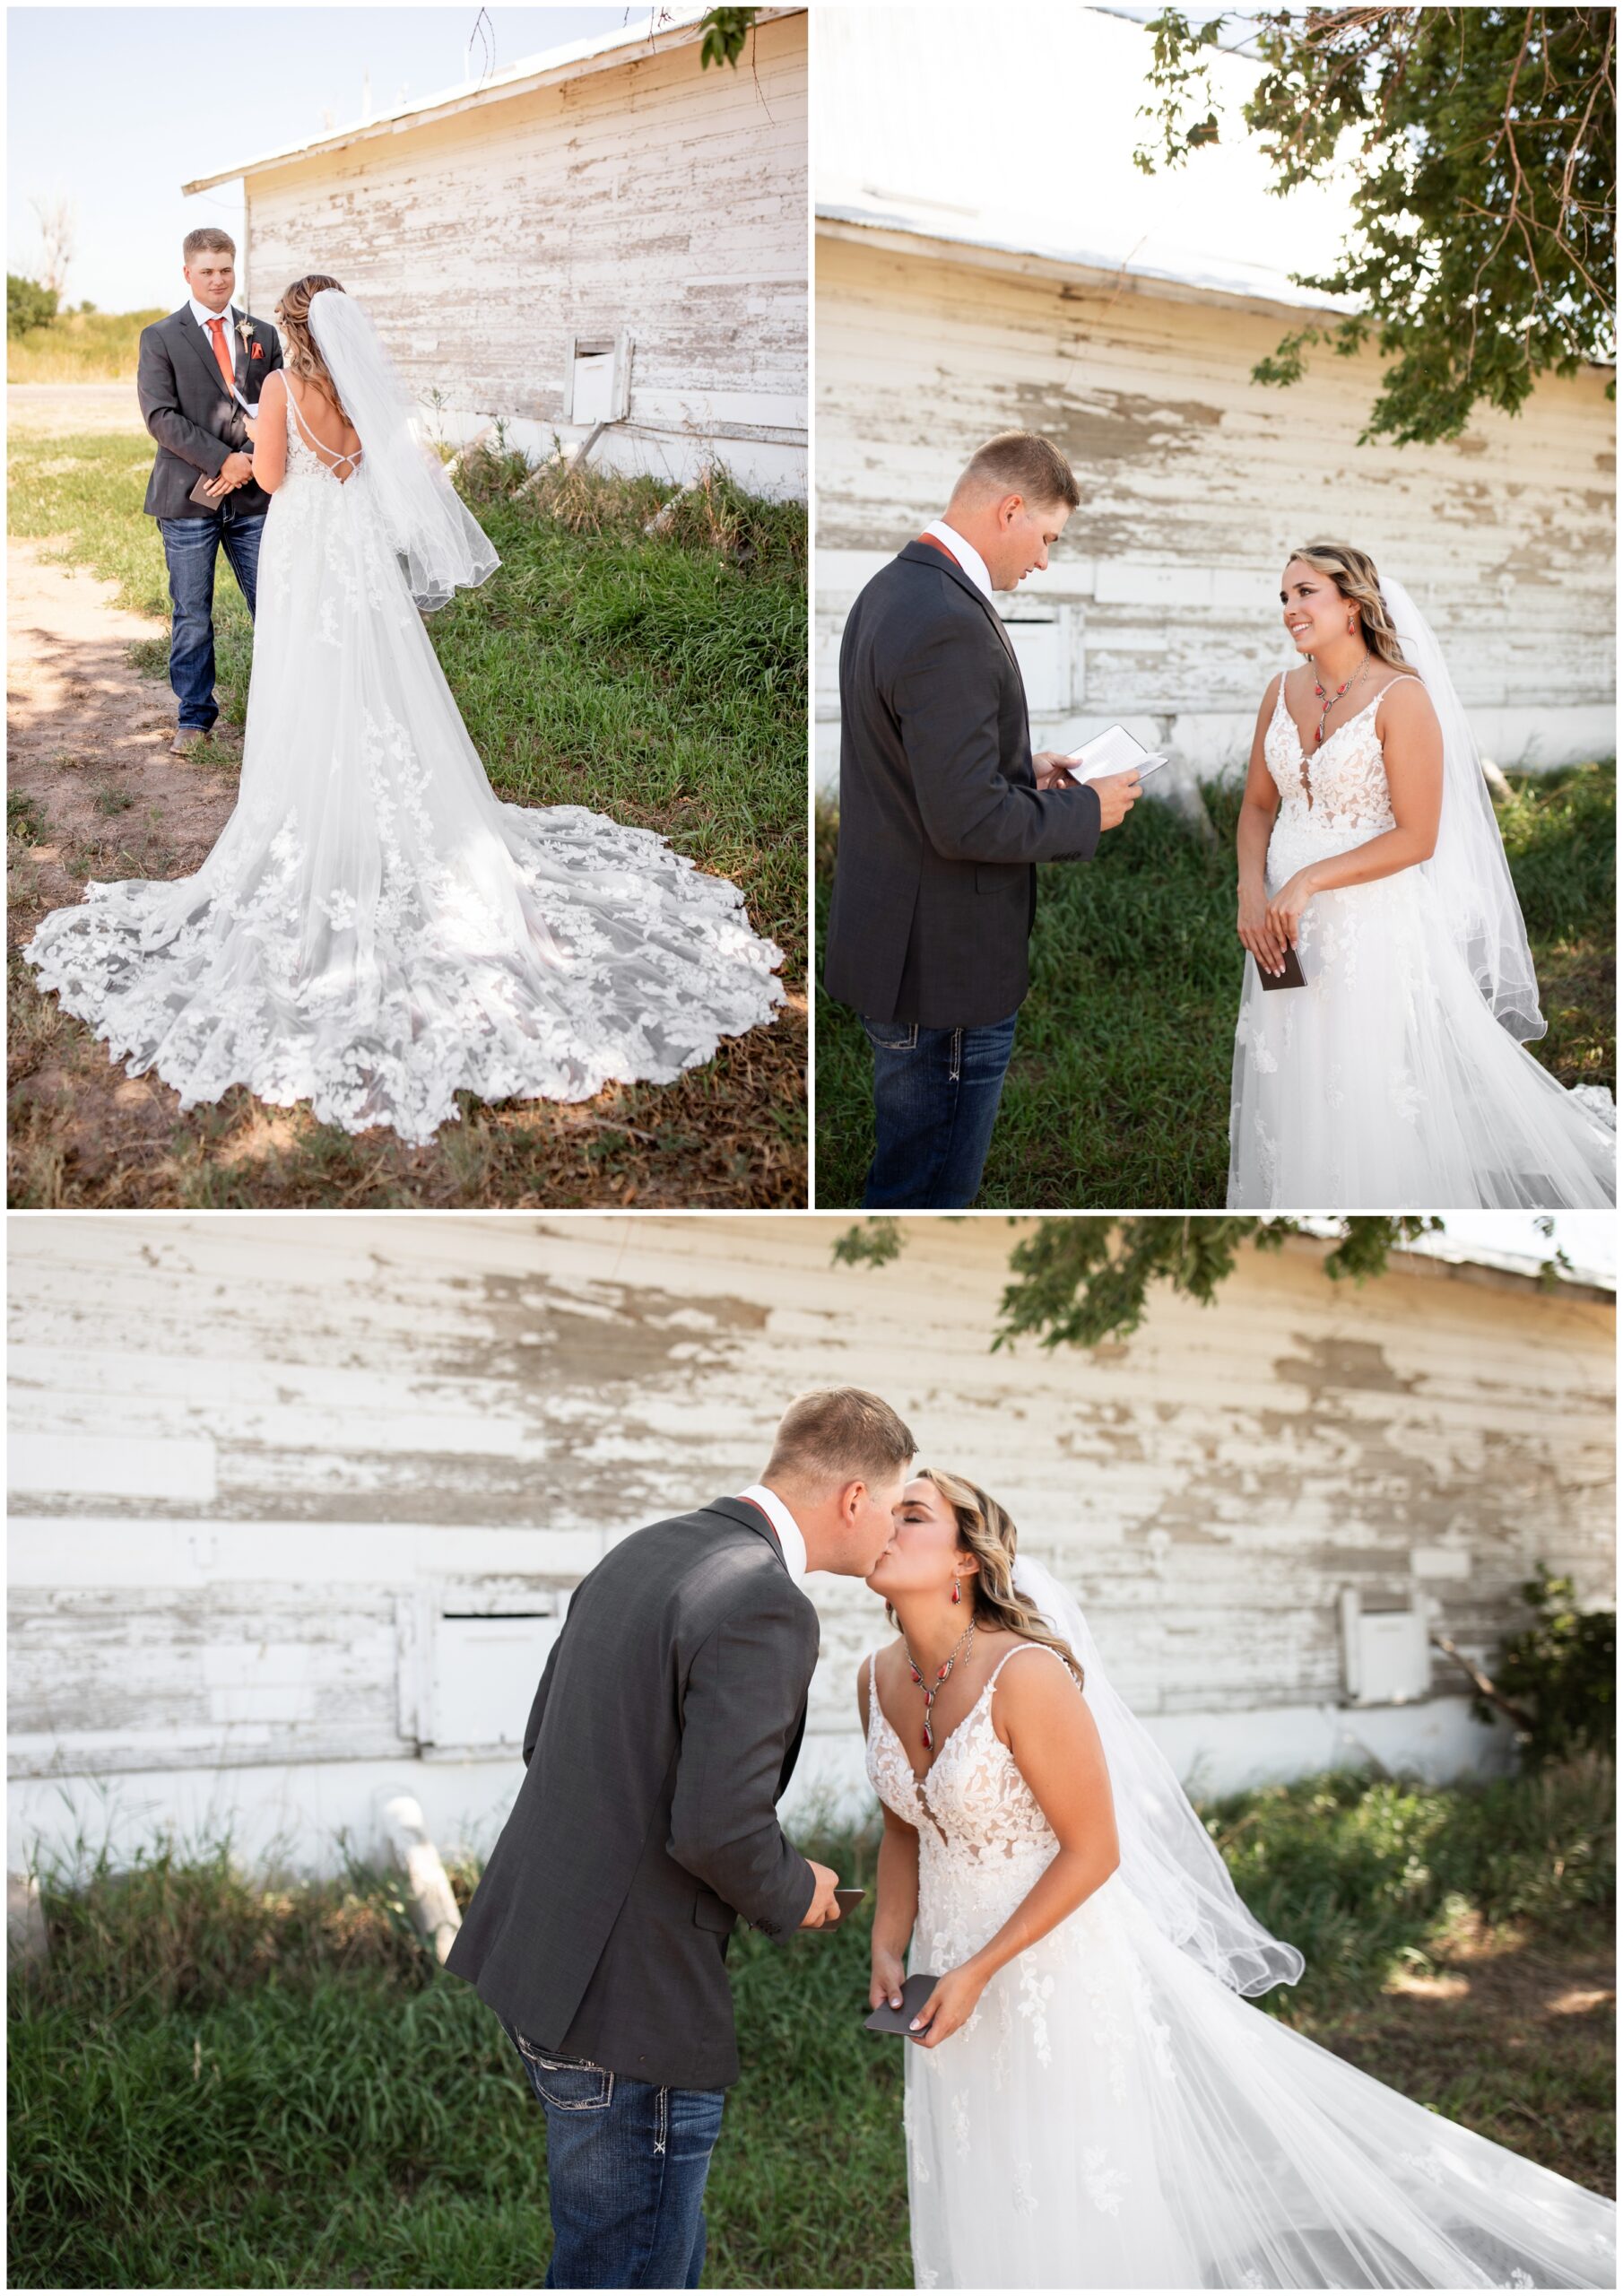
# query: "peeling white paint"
1196, 482
646, 196
1210, 1486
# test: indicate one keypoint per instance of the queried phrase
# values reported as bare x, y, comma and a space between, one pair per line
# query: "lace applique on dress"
374, 932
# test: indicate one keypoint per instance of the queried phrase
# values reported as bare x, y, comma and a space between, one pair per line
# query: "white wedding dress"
1386, 1083
1113, 2116
375, 931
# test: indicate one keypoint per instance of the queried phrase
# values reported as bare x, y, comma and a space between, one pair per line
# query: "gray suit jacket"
665, 1727
191, 414
940, 818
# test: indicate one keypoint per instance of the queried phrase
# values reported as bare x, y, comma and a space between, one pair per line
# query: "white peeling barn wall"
626, 192
1161, 604
296, 1502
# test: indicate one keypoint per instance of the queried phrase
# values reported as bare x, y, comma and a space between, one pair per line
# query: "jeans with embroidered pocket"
626, 2169
935, 1100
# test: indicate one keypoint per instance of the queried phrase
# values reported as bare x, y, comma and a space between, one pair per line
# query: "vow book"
1114, 750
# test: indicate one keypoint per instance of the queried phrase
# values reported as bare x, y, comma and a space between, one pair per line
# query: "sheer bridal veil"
1170, 1861
442, 548
1469, 867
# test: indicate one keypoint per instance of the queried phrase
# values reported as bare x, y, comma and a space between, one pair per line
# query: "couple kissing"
1091, 2099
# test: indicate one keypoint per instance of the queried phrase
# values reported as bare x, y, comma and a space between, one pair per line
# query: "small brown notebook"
1291, 977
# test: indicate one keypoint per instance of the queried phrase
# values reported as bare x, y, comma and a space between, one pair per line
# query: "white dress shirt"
966, 553
789, 1535
206, 320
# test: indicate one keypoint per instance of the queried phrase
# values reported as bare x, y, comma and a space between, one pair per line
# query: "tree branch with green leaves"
1088, 1277
1483, 204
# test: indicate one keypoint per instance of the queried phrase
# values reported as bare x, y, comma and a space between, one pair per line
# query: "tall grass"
218, 2080
1118, 1091
80, 347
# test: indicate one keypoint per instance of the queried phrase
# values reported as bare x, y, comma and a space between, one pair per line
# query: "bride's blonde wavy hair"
292, 316
1353, 573
986, 1531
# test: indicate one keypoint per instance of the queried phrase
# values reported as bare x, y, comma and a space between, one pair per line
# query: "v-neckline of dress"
968, 1716
1305, 764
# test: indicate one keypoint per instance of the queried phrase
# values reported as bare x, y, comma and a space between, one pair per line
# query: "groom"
666, 1726
943, 811
189, 365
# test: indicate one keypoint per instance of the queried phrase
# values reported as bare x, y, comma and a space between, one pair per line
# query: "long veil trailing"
1170, 1861
1111, 2117
441, 545
1468, 866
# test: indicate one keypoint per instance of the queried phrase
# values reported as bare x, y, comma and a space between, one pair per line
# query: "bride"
1367, 845
375, 931
1093, 2102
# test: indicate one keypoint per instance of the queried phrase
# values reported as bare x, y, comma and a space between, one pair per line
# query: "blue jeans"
935, 1096
191, 545
626, 2171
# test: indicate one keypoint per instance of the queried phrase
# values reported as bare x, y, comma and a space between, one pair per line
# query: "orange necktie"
217, 332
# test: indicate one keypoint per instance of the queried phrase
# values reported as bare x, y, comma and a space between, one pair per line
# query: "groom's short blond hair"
207, 239
839, 1435
1023, 463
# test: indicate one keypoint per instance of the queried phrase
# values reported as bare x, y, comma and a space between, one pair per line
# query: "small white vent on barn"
1041, 639
597, 385
1385, 1654
482, 1669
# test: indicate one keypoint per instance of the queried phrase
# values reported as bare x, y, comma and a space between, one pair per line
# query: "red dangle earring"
958, 1592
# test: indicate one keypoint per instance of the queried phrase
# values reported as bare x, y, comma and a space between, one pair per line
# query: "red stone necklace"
964, 1641
1330, 704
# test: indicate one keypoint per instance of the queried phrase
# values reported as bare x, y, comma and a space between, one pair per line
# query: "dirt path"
85, 727
66, 410
91, 791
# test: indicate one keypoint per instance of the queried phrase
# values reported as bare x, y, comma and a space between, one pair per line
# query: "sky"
1589, 1238
1068, 185
103, 107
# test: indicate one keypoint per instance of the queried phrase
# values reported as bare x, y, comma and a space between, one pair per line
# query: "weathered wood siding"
252, 1455
1195, 484
647, 195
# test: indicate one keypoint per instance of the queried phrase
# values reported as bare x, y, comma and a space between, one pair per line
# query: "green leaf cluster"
725, 29
1087, 1278
1480, 251
1562, 1670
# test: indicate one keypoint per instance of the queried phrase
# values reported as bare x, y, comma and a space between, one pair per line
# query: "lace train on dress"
1386, 1083
374, 930
1112, 2116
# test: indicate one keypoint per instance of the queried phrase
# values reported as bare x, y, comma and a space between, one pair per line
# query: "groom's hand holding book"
823, 1912
1117, 792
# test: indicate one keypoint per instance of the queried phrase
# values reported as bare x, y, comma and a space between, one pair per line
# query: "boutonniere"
245, 328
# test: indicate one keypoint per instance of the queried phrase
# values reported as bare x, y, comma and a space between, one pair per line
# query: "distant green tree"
1086, 1277
1483, 211
28, 304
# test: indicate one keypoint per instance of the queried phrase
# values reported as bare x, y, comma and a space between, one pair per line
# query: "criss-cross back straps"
329, 454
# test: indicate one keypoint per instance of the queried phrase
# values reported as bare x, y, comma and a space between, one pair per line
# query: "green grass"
1118, 1091
82, 347
217, 2081
661, 679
